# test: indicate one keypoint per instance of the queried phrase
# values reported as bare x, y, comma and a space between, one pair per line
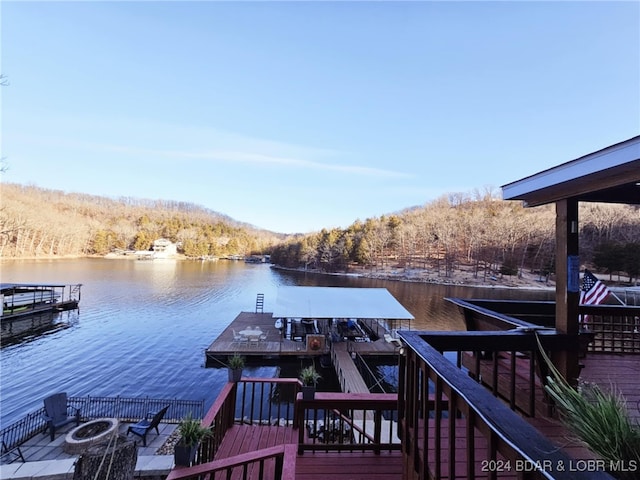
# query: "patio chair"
58, 412
237, 338
144, 426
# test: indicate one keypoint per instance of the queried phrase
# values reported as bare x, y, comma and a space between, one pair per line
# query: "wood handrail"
286, 452
285, 381
617, 310
363, 401
508, 432
211, 414
503, 340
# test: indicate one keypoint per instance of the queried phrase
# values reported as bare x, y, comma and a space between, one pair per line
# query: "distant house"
161, 248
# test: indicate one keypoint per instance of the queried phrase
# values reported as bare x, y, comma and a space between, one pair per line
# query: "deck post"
567, 284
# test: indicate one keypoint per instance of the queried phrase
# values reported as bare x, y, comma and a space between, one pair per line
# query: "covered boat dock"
306, 321
21, 299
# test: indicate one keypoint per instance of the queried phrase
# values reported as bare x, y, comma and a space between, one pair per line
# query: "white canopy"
338, 302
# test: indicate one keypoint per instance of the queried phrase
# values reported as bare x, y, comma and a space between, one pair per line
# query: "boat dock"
19, 299
270, 342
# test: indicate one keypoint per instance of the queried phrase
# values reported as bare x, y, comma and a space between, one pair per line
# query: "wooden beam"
567, 284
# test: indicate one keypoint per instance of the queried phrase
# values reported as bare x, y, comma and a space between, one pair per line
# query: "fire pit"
88, 434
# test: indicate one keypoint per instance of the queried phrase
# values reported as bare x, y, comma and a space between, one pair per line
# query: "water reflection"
142, 327
31, 327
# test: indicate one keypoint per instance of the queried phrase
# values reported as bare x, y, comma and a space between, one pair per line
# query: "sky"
297, 116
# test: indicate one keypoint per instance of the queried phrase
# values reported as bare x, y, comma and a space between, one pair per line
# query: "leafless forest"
475, 230
36, 222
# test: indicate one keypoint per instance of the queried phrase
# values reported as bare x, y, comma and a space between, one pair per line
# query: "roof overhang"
608, 175
338, 302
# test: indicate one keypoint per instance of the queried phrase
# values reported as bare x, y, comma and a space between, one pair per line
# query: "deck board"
617, 372
351, 466
311, 465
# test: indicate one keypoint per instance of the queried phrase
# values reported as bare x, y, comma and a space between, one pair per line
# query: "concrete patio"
46, 459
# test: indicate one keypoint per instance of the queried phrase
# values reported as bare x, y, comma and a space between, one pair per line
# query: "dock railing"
451, 425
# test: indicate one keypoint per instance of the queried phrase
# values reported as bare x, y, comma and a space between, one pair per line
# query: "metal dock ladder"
260, 303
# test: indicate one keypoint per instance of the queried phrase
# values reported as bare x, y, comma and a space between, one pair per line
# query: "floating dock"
22, 299
274, 343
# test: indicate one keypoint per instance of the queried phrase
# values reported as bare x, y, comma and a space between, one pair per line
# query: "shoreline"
462, 277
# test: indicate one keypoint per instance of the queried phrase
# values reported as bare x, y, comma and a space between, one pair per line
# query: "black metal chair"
144, 426
58, 413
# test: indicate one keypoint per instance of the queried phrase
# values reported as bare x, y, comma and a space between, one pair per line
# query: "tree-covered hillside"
476, 232
40, 222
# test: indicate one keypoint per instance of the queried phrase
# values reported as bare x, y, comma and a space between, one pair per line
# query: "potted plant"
236, 364
309, 378
191, 434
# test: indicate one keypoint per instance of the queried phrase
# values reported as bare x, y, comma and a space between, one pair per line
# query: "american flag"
593, 291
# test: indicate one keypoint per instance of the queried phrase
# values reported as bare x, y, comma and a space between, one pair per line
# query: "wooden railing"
240, 466
266, 400
604, 328
507, 363
248, 401
347, 422
615, 328
477, 436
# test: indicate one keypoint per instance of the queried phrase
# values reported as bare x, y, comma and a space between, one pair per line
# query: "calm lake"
142, 326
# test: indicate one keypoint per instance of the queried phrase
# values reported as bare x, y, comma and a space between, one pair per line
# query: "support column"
567, 285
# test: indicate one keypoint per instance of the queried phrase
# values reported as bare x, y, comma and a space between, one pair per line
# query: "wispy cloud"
260, 152
270, 159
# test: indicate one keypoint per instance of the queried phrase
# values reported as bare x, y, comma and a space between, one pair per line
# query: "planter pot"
184, 455
235, 374
308, 392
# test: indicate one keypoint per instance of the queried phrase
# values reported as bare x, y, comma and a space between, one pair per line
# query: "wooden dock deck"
275, 344
348, 375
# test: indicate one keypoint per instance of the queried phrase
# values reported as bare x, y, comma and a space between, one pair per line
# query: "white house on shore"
161, 248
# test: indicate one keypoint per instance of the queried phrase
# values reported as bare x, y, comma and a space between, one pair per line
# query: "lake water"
142, 326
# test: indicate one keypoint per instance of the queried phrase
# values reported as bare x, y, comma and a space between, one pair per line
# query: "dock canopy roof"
338, 302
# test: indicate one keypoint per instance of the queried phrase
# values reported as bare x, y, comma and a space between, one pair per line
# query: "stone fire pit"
88, 434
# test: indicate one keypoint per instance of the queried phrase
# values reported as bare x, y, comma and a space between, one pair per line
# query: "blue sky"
296, 116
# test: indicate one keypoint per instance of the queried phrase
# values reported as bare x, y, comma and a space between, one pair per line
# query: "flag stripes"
593, 291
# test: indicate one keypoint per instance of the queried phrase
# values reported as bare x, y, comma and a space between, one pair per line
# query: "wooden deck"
311, 465
617, 372
275, 345
319, 465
